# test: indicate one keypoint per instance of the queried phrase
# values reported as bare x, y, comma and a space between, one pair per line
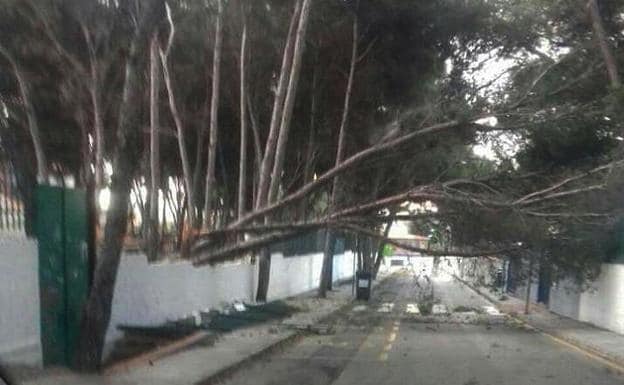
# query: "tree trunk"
153, 237
96, 313
186, 167
264, 272
242, 168
603, 43
527, 299
197, 171
187, 227
289, 102
214, 111
278, 105
326, 270
31, 117
256, 137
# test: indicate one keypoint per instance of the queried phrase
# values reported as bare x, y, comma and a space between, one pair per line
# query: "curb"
593, 352
155, 354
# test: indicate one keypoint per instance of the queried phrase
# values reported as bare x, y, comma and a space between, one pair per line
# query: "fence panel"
11, 204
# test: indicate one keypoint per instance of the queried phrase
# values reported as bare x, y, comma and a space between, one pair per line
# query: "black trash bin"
363, 285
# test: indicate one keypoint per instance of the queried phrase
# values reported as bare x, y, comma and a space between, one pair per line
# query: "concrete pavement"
604, 343
372, 347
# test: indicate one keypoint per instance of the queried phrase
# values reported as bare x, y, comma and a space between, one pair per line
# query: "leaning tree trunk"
214, 111
326, 269
153, 237
242, 168
97, 310
603, 43
278, 105
289, 102
181, 136
264, 271
31, 117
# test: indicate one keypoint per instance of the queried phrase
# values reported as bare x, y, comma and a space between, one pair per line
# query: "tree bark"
527, 299
278, 104
31, 117
214, 111
242, 168
95, 92
264, 181
289, 102
96, 313
264, 272
186, 167
256, 137
326, 270
188, 225
197, 170
153, 233
603, 44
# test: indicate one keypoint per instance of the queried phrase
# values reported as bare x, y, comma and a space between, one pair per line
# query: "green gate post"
49, 226
76, 263
61, 224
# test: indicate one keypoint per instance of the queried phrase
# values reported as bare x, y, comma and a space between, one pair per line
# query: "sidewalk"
204, 364
603, 343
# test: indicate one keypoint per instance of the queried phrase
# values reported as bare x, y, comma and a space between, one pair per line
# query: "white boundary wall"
601, 305
19, 300
150, 294
145, 294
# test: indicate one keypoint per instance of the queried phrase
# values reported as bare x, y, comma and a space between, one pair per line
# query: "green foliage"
388, 250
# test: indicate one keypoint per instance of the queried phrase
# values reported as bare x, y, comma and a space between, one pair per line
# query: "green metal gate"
61, 226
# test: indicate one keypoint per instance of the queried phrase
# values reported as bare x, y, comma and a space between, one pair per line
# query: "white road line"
412, 308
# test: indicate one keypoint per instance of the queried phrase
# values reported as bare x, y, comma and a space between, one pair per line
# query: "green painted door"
49, 222
76, 263
63, 269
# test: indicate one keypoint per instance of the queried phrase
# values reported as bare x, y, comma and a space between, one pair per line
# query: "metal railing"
11, 203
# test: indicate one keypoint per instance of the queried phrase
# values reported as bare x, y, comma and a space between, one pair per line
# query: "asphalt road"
380, 343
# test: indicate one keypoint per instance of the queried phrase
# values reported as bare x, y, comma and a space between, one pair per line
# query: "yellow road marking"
388, 347
383, 356
392, 337
395, 328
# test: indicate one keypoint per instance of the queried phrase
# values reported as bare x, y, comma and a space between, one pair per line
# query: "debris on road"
439, 309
